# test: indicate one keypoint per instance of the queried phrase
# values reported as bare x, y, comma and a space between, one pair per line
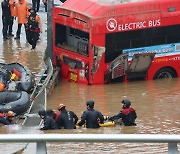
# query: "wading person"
49, 122
128, 114
67, 119
10, 116
3, 120
33, 28
21, 11
6, 15
91, 117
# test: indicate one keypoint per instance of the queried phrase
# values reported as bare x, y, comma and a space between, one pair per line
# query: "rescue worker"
21, 12
128, 114
91, 117
67, 119
12, 8
3, 120
49, 122
36, 4
10, 116
6, 14
53, 114
33, 28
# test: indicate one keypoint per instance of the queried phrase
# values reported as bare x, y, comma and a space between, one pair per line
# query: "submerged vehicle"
16, 101
15, 76
100, 41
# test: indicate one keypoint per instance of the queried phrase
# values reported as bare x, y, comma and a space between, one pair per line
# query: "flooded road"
156, 103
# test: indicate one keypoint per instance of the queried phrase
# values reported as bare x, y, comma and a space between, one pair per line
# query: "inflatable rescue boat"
16, 101
14, 76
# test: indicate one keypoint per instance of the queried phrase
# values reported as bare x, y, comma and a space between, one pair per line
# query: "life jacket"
129, 116
32, 23
57, 115
1, 114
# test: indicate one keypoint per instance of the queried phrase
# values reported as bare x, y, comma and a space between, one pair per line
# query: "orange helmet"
61, 106
1, 86
11, 114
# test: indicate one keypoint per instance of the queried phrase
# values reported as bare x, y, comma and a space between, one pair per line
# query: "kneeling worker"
128, 114
49, 122
91, 117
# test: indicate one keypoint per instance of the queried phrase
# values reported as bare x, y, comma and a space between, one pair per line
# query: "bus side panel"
172, 62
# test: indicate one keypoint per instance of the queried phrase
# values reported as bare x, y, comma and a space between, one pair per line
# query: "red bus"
98, 41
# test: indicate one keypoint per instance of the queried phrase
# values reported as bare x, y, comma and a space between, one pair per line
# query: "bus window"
116, 42
71, 39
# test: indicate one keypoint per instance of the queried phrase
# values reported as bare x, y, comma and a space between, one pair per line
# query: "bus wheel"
165, 73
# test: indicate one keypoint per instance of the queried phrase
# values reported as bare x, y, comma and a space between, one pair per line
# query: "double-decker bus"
98, 41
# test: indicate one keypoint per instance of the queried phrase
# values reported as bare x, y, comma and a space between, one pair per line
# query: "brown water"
156, 103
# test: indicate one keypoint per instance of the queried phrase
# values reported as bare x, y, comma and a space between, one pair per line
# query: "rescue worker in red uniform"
91, 117
67, 119
128, 114
33, 28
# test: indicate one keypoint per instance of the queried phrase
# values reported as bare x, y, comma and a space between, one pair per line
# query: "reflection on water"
156, 103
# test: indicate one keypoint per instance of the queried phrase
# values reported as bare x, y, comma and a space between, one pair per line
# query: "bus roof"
106, 8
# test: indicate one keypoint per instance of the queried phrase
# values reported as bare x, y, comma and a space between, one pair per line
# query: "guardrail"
41, 139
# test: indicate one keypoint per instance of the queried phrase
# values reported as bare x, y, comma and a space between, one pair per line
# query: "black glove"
111, 119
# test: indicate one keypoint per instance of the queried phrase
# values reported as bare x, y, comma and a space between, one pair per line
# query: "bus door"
98, 52
139, 65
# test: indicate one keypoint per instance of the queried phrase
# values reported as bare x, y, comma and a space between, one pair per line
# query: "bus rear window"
71, 39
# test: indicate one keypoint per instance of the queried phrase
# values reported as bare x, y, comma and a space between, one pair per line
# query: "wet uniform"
92, 118
67, 120
32, 29
36, 4
6, 15
49, 123
3, 120
128, 116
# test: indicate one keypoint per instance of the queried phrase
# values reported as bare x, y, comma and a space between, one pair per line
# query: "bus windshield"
71, 39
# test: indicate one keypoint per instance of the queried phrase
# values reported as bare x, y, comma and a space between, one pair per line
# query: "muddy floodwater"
157, 104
